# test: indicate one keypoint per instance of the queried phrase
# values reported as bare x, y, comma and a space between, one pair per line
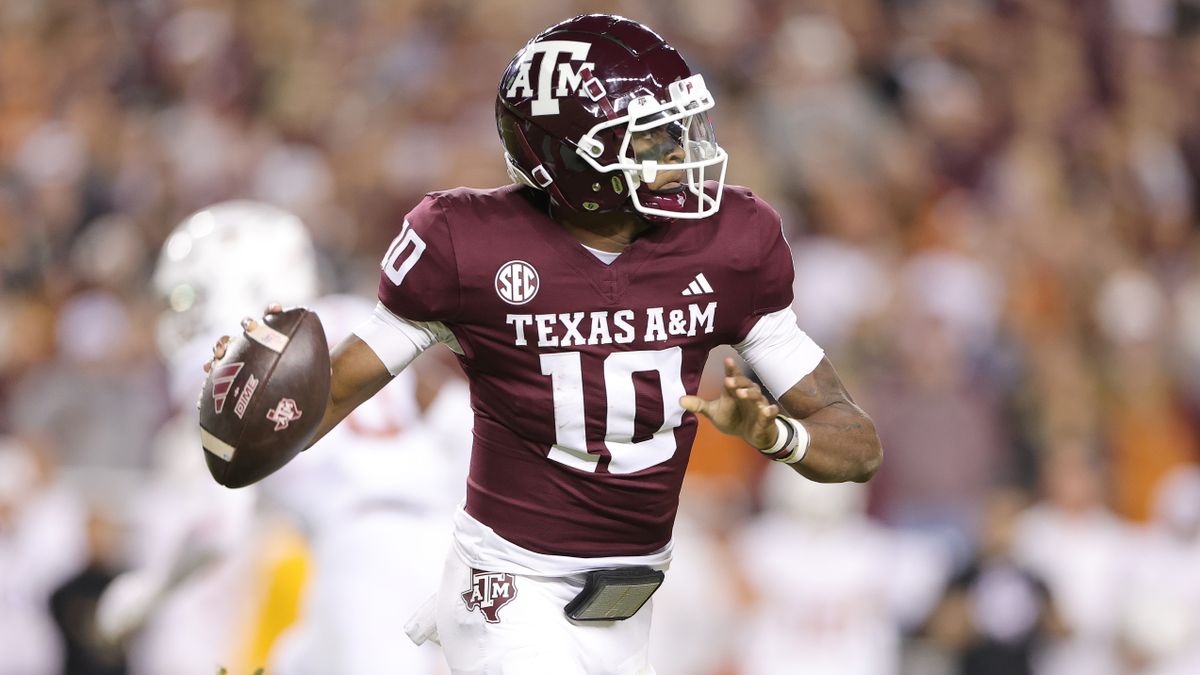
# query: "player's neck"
608, 232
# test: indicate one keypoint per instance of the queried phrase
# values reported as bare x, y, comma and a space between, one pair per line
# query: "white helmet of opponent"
222, 263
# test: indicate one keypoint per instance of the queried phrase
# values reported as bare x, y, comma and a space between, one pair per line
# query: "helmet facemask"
675, 136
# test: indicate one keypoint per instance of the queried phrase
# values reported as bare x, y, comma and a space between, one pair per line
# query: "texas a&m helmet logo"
489, 592
517, 282
578, 81
223, 378
283, 413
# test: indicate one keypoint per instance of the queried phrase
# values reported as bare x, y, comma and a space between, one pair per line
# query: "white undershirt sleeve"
397, 341
779, 352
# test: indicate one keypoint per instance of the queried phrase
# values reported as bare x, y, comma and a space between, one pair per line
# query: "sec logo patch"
516, 282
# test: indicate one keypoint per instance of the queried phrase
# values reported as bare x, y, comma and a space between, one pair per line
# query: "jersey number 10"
628, 456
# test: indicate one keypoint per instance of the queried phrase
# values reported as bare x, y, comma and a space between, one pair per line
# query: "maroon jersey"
576, 367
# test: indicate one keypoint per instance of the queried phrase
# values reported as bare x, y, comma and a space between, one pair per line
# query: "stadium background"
992, 205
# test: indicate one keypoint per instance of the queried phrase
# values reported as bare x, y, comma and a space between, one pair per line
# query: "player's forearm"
357, 376
336, 410
843, 445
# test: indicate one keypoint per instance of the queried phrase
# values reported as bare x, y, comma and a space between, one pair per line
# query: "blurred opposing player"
194, 589
822, 604
41, 534
1161, 618
376, 497
190, 594
1082, 551
582, 303
696, 612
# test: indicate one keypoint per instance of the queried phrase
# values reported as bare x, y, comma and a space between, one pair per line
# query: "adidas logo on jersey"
699, 286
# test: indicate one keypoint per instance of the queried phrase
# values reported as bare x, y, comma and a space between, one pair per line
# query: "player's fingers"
743, 388
273, 308
694, 404
731, 368
249, 324
740, 382
762, 431
736, 383
218, 352
766, 416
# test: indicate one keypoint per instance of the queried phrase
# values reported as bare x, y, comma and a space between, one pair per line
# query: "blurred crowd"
992, 205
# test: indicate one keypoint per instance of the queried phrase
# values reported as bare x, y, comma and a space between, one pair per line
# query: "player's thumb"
693, 404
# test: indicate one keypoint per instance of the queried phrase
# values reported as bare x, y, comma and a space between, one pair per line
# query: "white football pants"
531, 635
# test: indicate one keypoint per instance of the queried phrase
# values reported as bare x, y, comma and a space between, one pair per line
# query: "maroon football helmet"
593, 109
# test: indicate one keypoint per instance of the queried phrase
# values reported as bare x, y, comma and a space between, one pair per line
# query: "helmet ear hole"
517, 151
516, 173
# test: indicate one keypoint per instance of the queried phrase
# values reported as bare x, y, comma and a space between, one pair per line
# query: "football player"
811, 561
186, 599
582, 302
373, 501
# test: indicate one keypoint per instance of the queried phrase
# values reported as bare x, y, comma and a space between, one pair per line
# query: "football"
262, 402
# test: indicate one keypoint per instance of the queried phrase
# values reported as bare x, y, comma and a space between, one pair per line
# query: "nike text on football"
516, 282
656, 324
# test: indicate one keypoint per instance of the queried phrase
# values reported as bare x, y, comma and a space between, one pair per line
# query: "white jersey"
1083, 560
368, 496
1161, 608
376, 496
830, 599
184, 520
696, 609
382, 456
41, 545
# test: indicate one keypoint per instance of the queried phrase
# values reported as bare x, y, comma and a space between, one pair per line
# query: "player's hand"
222, 344
741, 410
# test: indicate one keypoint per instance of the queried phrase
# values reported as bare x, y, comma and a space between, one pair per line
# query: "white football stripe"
216, 446
268, 337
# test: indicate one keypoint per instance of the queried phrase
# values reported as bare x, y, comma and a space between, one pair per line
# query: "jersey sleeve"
772, 288
398, 341
419, 277
779, 352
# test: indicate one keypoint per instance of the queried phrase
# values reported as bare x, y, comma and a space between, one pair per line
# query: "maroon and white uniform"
577, 366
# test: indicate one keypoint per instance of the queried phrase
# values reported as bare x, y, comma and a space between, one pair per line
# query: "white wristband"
791, 442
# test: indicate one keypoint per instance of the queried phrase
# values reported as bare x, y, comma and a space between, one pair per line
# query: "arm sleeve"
397, 341
779, 352
419, 273
772, 290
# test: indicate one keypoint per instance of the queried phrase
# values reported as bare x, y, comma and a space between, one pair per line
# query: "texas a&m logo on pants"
489, 592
